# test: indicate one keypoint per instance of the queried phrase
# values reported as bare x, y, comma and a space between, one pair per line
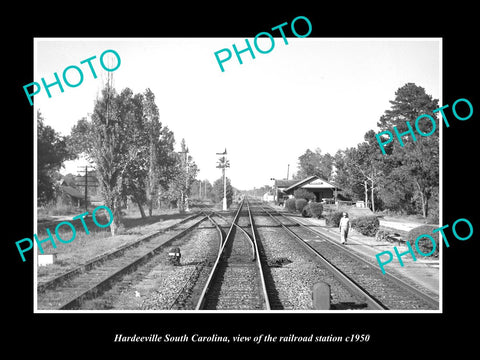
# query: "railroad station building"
322, 189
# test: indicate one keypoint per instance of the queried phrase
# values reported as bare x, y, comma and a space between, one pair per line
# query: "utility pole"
86, 184
186, 182
86, 187
274, 190
223, 163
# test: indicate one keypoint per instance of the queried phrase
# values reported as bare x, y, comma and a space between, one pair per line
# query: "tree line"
132, 150
405, 180
204, 190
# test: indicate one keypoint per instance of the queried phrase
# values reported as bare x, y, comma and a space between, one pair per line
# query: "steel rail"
342, 277
90, 264
220, 243
254, 254
259, 263
93, 290
255, 257
414, 291
220, 233
208, 283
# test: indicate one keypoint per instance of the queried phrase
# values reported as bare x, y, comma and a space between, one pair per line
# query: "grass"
44, 212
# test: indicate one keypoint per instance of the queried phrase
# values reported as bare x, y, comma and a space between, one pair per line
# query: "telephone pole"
86, 183
185, 196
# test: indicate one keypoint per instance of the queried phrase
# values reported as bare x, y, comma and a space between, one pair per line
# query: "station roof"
312, 182
283, 183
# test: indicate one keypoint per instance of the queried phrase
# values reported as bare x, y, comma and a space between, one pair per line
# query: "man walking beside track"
344, 227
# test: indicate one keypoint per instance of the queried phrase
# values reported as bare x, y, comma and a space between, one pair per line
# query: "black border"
409, 334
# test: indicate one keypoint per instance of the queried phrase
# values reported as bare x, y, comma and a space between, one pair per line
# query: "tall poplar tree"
113, 144
153, 127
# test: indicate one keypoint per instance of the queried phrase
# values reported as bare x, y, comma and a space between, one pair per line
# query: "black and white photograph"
211, 181
290, 205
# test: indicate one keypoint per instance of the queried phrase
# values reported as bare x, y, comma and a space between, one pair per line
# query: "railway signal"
223, 163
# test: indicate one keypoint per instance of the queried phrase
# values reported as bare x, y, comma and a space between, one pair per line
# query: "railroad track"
72, 289
246, 275
246, 263
387, 291
236, 281
294, 270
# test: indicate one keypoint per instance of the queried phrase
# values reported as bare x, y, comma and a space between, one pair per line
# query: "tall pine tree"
416, 164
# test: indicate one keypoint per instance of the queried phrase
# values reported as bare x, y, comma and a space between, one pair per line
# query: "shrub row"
290, 205
333, 218
366, 225
369, 226
313, 209
302, 206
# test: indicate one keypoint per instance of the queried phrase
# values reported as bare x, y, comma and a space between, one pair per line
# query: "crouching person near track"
344, 227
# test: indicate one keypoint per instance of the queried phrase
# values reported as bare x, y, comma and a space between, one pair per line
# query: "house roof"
311, 182
72, 192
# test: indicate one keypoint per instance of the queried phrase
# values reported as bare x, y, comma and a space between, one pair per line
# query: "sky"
313, 93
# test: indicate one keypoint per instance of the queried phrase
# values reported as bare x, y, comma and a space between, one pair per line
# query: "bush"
424, 244
303, 194
313, 210
300, 204
333, 218
290, 205
433, 217
366, 225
